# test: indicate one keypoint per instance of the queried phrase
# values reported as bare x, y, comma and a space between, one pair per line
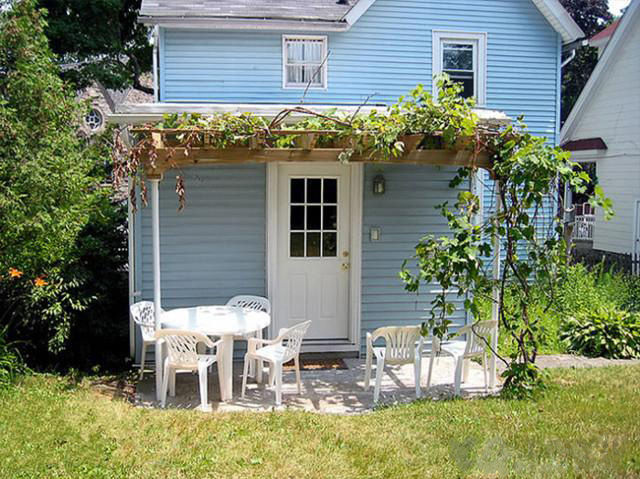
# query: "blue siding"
385, 54
405, 213
215, 248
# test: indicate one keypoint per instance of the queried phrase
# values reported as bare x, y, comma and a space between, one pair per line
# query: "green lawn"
587, 425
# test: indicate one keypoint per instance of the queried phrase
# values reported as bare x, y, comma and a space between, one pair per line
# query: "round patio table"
226, 322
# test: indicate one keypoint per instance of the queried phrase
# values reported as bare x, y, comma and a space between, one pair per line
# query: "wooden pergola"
165, 152
168, 153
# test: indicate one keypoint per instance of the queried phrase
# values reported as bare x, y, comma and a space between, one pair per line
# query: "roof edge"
245, 23
560, 20
595, 79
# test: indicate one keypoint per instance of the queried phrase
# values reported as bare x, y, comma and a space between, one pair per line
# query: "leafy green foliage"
99, 41
604, 332
51, 200
11, 365
591, 16
526, 171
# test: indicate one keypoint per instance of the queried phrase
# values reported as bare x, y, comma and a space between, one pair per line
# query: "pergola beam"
168, 158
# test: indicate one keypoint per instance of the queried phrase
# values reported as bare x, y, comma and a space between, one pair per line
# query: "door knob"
345, 266
345, 254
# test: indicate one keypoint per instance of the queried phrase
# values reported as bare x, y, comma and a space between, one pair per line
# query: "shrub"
604, 332
11, 366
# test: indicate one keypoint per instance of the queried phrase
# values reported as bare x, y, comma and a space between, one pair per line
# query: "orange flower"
39, 281
14, 273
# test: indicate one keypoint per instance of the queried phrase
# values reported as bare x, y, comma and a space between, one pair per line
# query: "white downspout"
495, 311
155, 38
572, 55
157, 300
132, 272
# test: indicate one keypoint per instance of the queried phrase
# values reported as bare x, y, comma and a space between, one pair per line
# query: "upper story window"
463, 56
304, 62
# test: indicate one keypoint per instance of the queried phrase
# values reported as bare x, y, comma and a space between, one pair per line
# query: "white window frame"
325, 65
479, 42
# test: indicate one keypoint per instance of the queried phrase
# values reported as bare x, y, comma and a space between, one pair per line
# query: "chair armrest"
253, 343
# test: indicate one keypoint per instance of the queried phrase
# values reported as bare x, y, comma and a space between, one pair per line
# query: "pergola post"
495, 311
157, 298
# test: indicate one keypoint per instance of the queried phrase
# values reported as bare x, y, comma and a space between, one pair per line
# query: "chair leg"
172, 383
165, 384
142, 358
245, 373
379, 373
418, 373
296, 360
485, 370
278, 376
367, 371
465, 370
271, 374
202, 376
458, 374
431, 361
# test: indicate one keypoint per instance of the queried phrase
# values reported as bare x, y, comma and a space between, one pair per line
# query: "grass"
585, 426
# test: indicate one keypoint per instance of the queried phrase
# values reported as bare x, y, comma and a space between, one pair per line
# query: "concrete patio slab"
323, 391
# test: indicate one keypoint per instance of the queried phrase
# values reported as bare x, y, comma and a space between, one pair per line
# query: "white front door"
313, 249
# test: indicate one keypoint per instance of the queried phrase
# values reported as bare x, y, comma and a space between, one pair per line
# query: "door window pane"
314, 186
330, 244
330, 190
313, 245
297, 218
313, 217
330, 218
297, 245
297, 190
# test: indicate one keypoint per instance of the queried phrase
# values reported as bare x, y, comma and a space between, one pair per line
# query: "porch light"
378, 185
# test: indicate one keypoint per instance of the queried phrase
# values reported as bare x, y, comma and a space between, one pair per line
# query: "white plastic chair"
143, 314
182, 356
403, 345
276, 352
255, 303
478, 337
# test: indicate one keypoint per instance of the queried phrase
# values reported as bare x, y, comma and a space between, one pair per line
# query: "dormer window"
304, 62
462, 56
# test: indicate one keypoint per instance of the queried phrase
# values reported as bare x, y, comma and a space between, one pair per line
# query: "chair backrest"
257, 303
181, 345
144, 314
400, 343
292, 339
479, 336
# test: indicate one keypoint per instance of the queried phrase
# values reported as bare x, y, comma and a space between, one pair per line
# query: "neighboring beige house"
604, 128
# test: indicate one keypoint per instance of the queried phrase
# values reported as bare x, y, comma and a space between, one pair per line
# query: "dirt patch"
115, 389
574, 361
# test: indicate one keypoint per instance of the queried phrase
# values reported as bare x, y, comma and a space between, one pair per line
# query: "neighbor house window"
463, 56
305, 62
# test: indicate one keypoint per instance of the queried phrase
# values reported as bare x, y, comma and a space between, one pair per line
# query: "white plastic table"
223, 321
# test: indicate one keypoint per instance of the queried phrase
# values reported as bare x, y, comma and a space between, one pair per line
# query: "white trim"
156, 40
246, 24
552, 10
479, 42
355, 244
560, 20
324, 64
357, 11
635, 236
355, 290
600, 72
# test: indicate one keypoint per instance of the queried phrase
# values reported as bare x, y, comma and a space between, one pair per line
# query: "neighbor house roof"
618, 39
301, 14
602, 38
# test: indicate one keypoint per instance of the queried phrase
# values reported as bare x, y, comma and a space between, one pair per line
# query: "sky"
616, 5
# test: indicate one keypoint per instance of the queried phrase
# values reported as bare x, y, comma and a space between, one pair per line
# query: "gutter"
247, 23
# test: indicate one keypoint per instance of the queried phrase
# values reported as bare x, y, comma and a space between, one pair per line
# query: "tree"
99, 40
591, 16
48, 186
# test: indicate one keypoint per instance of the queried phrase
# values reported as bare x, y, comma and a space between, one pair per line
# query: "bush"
604, 332
11, 366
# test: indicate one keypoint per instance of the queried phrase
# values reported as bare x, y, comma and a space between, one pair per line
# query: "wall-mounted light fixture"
378, 185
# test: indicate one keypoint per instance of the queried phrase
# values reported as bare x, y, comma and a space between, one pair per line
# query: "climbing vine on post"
527, 217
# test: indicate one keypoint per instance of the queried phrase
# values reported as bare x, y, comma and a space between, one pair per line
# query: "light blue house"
313, 237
